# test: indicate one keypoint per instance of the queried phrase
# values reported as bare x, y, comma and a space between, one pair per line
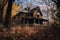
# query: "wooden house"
29, 16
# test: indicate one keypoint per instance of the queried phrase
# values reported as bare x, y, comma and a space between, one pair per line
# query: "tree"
3, 3
8, 14
58, 15
58, 9
57, 3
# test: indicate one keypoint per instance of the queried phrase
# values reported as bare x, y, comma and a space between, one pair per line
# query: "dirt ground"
29, 33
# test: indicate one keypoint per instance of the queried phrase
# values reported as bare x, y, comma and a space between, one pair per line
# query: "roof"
32, 9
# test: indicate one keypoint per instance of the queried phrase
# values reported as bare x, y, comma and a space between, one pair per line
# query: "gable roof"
32, 9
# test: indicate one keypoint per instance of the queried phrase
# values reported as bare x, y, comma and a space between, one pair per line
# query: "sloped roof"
32, 9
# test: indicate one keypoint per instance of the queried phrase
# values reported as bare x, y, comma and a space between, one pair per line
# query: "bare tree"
8, 14
3, 3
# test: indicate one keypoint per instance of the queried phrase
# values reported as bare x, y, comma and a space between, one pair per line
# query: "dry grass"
24, 30
29, 33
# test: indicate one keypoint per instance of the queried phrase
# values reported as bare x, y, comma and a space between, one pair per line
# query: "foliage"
58, 15
57, 3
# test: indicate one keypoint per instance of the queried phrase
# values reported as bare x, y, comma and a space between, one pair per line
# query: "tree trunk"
3, 3
0, 14
8, 14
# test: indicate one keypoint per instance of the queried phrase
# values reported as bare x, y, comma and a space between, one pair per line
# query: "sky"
43, 4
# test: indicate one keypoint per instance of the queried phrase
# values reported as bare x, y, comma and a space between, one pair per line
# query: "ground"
29, 33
